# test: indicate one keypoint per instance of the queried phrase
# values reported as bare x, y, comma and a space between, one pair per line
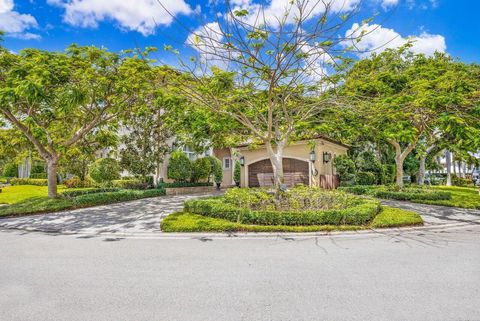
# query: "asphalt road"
408, 275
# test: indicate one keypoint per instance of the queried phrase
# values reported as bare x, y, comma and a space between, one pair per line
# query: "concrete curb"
245, 235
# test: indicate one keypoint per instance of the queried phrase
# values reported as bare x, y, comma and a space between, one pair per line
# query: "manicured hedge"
130, 184
215, 207
113, 197
184, 184
29, 181
405, 194
75, 193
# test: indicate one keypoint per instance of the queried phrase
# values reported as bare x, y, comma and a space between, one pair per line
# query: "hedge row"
75, 193
406, 194
184, 184
118, 196
216, 207
29, 181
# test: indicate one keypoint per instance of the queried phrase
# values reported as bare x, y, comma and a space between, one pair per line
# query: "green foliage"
299, 206
78, 192
39, 175
10, 170
217, 171
184, 184
188, 222
29, 181
461, 181
38, 202
395, 217
179, 167
104, 170
201, 169
397, 193
237, 172
356, 215
366, 178
345, 168
76, 182
130, 184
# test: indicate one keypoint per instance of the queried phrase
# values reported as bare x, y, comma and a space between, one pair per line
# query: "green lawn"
466, 197
29, 199
187, 222
19, 193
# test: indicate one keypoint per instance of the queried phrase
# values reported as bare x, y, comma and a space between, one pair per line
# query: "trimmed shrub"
39, 175
93, 199
179, 167
76, 182
104, 170
366, 178
237, 172
29, 181
460, 181
345, 168
201, 169
130, 184
217, 171
10, 170
397, 193
360, 214
72, 194
184, 184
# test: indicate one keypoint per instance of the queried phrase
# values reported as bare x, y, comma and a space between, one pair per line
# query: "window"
226, 163
192, 155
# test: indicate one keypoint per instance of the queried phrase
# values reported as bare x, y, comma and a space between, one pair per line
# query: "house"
308, 162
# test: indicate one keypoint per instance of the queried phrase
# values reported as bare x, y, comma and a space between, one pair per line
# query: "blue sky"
444, 25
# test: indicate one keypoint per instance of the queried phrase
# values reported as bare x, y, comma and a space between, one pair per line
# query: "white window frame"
229, 163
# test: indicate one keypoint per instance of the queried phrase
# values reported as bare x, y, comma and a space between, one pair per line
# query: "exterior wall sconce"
326, 157
242, 161
313, 156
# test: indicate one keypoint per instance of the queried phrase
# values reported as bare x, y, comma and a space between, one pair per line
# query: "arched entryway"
295, 172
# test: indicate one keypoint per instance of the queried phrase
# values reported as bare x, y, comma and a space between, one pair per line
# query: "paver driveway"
139, 216
142, 217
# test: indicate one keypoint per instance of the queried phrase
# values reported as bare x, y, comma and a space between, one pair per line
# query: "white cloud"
276, 10
377, 38
139, 15
389, 3
15, 24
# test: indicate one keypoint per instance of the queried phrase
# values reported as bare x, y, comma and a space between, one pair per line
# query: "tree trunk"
399, 163
448, 163
52, 178
421, 170
276, 158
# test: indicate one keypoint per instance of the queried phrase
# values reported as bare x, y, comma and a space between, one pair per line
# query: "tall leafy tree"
56, 98
265, 71
403, 97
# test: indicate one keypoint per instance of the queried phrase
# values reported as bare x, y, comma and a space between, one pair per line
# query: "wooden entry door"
295, 172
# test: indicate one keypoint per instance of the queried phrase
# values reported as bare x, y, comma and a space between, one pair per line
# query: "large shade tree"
265, 71
403, 97
56, 98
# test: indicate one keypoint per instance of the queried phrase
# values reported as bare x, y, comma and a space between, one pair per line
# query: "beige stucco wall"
222, 153
300, 150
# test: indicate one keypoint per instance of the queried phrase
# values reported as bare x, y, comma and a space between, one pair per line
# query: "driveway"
134, 217
142, 217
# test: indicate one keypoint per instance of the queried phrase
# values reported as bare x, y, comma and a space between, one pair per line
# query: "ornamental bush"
130, 184
201, 169
217, 171
366, 178
237, 172
29, 181
104, 170
76, 182
179, 167
461, 181
345, 168
359, 214
10, 170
